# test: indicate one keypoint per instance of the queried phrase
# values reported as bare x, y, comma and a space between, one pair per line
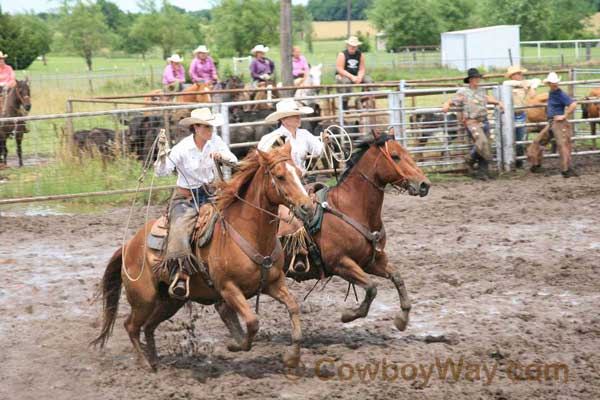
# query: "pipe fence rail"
100, 153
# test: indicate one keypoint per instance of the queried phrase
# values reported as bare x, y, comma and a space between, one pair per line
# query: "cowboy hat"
514, 69
202, 116
259, 47
287, 108
2, 55
472, 73
201, 49
552, 78
353, 41
175, 58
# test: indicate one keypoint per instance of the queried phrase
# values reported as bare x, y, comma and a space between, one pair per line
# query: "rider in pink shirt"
203, 68
174, 75
300, 69
7, 75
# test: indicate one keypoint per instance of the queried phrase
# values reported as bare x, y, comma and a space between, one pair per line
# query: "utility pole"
285, 41
348, 16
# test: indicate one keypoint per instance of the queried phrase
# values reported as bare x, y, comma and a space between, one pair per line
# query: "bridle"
21, 97
399, 183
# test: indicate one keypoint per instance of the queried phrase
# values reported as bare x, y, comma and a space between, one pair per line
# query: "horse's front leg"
231, 321
353, 273
19, 140
235, 299
280, 292
384, 269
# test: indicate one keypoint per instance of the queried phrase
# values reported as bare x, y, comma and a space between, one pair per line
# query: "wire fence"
101, 152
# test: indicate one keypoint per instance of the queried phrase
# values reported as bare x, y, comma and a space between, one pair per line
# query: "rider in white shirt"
192, 158
303, 143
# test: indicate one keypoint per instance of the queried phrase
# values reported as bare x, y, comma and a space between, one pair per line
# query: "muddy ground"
503, 276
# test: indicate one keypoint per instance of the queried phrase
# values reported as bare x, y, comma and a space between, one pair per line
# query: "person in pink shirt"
7, 75
203, 67
174, 75
300, 68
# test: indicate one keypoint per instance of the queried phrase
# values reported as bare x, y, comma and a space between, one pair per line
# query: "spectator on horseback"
174, 74
523, 90
262, 69
203, 67
192, 158
474, 100
7, 75
304, 143
300, 68
350, 67
558, 127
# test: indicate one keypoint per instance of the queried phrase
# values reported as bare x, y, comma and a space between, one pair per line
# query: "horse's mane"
361, 148
238, 184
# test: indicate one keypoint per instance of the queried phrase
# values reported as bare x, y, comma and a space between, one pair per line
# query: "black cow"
96, 139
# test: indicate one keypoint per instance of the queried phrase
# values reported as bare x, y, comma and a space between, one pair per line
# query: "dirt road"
503, 276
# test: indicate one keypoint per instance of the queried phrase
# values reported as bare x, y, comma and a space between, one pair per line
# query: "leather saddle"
205, 224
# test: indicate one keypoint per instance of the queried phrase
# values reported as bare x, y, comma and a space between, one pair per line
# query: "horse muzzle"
420, 188
27, 107
304, 212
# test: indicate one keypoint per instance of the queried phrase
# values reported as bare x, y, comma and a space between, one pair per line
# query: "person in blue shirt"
558, 127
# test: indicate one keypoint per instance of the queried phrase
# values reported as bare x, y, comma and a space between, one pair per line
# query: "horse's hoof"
349, 316
235, 347
291, 359
401, 323
148, 365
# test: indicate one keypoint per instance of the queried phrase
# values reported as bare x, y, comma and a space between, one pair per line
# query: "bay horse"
352, 238
17, 97
245, 206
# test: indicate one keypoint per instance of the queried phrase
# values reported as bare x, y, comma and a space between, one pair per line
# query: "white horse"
314, 79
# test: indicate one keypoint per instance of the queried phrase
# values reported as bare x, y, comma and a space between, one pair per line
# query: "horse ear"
263, 156
375, 134
27, 79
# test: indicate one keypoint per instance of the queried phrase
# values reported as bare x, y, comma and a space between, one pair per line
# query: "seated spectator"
202, 69
300, 68
174, 75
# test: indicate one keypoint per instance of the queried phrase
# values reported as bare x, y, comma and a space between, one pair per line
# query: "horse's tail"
111, 291
584, 110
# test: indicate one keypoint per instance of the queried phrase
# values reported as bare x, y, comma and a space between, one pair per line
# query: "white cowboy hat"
259, 47
201, 49
202, 116
287, 108
552, 78
175, 58
514, 69
2, 55
353, 41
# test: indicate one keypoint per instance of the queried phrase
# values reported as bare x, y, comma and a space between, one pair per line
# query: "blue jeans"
201, 195
520, 133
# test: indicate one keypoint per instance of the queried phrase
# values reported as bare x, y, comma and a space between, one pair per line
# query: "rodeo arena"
424, 238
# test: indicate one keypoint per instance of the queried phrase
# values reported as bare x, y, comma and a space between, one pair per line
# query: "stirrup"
174, 283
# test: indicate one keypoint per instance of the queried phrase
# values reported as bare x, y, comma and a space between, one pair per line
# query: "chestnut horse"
246, 206
345, 250
160, 95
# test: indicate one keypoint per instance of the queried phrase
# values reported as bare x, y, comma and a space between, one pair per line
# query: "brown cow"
537, 114
592, 110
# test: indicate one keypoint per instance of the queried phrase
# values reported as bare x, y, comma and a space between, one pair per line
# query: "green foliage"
84, 29
365, 42
409, 22
457, 14
23, 37
239, 25
335, 10
302, 27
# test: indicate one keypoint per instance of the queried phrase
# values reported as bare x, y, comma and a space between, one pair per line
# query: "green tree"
335, 10
238, 25
457, 14
302, 25
115, 18
23, 37
408, 22
84, 29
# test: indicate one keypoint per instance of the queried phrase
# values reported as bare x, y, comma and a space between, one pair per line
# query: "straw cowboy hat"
472, 73
353, 41
287, 108
175, 58
201, 49
552, 78
259, 47
2, 55
202, 116
514, 69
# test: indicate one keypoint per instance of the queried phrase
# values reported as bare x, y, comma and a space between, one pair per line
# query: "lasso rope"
328, 149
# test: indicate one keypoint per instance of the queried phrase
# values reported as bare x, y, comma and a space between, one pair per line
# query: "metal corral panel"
482, 47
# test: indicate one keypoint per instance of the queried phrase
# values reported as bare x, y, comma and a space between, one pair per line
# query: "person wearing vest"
523, 90
558, 127
474, 100
350, 67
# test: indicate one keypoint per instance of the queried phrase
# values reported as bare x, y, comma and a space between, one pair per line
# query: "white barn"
481, 47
